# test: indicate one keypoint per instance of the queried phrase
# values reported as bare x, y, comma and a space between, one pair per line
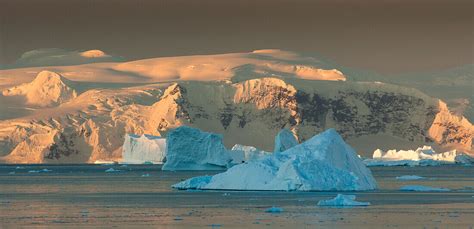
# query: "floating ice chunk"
274, 210
104, 162
241, 154
46, 170
421, 188
12, 173
342, 200
34, 171
323, 163
20, 167
145, 175
284, 140
409, 177
193, 183
191, 149
423, 156
112, 170
142, 149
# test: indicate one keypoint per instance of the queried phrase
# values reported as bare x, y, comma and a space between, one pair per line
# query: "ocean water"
87, 196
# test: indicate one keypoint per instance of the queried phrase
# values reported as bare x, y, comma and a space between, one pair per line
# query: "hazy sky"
388, 36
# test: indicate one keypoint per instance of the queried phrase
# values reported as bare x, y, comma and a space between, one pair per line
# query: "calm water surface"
87, 196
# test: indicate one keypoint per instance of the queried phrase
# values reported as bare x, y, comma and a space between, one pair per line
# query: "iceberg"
409, 177
112, 170
421, 188
191, 149
242, 153
323, 163
423, 156
143, 149
342, 200
284, 140
275, 210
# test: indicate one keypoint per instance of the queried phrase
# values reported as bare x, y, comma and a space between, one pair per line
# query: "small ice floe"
40, 171
226, 194
342, 200
409, 177
12, 173
274, 210
112, 170
421, 188
84, 213
145, 175
20, 167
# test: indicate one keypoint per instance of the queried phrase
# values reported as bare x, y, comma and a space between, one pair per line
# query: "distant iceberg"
143, 149
323, 163
191, 149
409, 177
423, 156
421, 188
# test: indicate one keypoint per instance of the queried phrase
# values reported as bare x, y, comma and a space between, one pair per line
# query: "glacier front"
143, 149
323, 163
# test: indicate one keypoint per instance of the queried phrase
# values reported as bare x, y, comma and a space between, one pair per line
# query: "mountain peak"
47, 89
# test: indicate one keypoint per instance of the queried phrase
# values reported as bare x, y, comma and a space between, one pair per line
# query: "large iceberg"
191, 149
323, 163
284, 140
143, 149
242, 154
422, 156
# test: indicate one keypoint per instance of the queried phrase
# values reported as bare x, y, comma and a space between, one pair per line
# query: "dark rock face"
63, 147
383, 112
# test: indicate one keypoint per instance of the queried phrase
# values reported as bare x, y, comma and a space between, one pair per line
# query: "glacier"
284, 140
323, 163
189, 148
143, 149
422, 156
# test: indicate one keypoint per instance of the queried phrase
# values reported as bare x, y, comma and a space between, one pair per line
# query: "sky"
387, 36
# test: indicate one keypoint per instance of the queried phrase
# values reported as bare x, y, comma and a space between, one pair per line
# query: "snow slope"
322, 163
61, 57
47, 89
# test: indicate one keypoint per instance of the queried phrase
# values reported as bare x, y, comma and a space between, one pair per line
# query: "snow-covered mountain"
247, 97
61, 57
